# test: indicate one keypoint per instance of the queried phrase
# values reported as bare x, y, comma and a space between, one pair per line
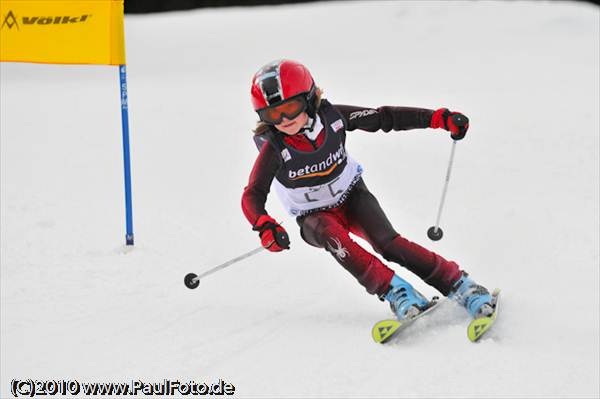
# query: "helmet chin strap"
310, 125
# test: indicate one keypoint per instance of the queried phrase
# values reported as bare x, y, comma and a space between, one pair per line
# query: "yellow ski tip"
478, 327
384, 329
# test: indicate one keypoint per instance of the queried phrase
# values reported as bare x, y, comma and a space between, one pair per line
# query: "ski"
478, 327
383, 331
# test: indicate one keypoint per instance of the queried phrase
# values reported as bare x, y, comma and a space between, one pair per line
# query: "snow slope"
522, 211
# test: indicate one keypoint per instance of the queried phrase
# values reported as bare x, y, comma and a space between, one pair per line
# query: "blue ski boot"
474, 297
404, 300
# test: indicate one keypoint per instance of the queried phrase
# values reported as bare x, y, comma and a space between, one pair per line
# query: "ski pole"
435, 233
192, 280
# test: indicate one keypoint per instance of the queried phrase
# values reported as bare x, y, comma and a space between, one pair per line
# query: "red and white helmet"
281, 80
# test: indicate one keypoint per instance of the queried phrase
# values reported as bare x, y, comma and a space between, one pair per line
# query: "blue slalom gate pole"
126, 156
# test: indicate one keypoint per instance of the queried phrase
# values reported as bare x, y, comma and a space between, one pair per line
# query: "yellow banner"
62, 32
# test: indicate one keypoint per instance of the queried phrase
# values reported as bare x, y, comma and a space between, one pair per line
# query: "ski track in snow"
522, 209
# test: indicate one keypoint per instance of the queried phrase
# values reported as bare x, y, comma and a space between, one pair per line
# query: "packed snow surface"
522, 210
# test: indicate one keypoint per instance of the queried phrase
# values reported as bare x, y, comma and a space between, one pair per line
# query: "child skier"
301, 138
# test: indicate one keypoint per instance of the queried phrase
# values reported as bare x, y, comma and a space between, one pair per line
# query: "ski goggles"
290, 109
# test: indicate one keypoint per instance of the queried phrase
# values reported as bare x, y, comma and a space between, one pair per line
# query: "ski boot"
474, 297
404, 300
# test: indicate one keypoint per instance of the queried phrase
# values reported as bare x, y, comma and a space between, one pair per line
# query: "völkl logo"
10, 21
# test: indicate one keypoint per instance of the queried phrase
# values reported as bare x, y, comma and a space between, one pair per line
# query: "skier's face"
293, 126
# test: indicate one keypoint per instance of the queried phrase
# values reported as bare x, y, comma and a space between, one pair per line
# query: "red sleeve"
255, 193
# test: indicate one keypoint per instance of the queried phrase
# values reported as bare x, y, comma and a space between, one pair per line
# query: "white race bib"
298, 201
